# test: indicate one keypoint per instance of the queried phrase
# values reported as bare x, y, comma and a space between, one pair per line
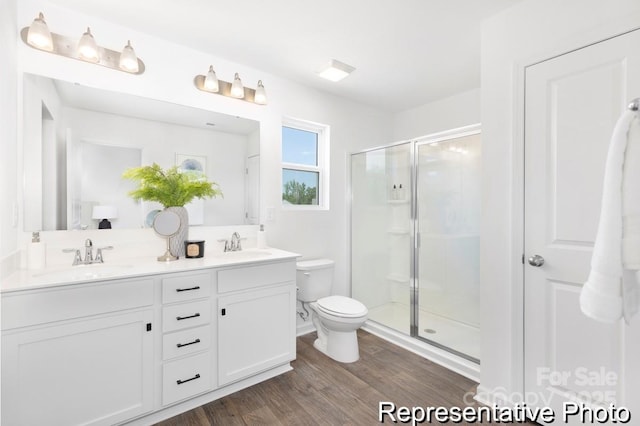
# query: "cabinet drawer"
255, 276
186, 342
186, 287
186, 377
22, 309
184, 315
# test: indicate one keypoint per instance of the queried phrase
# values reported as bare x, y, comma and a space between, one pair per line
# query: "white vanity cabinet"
137, 350
256, 319
62, 366
188, 361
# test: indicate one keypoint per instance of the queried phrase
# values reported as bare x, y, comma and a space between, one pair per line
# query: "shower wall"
381, 228
427, 192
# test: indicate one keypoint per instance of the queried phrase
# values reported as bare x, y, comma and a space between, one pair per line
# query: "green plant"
171, 187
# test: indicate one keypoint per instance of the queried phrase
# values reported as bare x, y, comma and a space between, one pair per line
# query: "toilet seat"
342, 306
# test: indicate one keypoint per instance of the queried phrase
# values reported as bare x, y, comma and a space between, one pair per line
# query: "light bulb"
211, 81
87, 47
237, 89
39, 35
128, 59
261, 94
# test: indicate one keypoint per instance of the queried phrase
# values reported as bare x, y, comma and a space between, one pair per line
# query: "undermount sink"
83, 272
244, 254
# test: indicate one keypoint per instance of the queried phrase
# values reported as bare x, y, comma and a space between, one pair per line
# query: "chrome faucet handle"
226, 244
239, 243
99, 258
77, 259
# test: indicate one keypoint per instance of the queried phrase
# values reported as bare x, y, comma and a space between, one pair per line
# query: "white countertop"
134, 267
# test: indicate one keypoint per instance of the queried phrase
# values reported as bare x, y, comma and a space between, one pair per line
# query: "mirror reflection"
79, 140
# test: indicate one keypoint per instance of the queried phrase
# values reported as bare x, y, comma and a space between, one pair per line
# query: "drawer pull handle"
188, 289
180, 345
197, 376
187, 317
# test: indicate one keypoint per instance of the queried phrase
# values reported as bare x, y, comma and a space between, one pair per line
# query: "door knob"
536, 260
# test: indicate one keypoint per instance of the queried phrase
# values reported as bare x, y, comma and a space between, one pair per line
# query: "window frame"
322, 168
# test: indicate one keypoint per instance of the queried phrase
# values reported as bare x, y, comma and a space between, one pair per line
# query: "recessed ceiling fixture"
335, 70
210, 83
39, 37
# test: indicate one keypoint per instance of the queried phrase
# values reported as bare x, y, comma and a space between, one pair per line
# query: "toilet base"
342, 346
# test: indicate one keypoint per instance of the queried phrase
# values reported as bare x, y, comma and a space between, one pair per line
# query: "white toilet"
336, 318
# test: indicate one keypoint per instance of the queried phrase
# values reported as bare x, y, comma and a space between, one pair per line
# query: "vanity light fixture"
87, 47
237, 89
261, 94
210, 83
335, 70
39, 37
128, 59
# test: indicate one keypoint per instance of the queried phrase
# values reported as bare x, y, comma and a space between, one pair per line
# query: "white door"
572, 103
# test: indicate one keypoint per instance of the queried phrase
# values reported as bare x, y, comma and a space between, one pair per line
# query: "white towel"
607, 296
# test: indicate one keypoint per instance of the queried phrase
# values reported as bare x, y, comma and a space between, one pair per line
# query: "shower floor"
452, 334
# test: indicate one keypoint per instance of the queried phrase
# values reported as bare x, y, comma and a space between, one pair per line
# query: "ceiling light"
128, 59
237, 89
39, 35
335, 70
261, 95
211, 81
211, 84
87, 47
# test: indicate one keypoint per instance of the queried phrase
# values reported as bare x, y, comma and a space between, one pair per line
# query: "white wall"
459, 110
170, 69
524, 34
8, 134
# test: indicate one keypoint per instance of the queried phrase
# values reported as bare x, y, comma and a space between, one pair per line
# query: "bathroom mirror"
78, 140
166, 224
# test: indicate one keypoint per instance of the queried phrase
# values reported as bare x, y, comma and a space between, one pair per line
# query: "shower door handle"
536, 260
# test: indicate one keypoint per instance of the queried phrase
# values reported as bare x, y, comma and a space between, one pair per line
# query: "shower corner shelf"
399, 278
398, 231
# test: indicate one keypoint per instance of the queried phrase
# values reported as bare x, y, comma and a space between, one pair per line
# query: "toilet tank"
314, 279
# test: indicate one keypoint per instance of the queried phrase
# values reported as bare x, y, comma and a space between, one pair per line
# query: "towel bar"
634, 105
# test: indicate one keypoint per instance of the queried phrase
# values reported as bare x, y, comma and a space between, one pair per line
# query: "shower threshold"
443, 332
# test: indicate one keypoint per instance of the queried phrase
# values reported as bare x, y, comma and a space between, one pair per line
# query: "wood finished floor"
320, 391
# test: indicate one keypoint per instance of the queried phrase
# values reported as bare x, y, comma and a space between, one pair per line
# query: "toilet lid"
342, 306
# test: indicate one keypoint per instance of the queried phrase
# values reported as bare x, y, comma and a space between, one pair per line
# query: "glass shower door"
381, 230
447, 260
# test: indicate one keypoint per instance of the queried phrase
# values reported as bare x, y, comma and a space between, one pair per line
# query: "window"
305, 174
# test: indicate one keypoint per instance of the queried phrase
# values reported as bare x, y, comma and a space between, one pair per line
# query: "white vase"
176, 242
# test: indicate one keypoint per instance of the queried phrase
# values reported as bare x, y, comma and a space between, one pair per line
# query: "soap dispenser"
262, 238
36, 252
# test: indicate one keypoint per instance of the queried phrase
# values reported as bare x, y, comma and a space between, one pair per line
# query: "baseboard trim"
462, 366
305, 328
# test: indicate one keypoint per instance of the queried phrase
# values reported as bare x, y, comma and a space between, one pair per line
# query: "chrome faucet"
234, 244
88, 251
88, 254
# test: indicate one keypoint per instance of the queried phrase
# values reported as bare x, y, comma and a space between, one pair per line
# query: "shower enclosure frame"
414, 237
